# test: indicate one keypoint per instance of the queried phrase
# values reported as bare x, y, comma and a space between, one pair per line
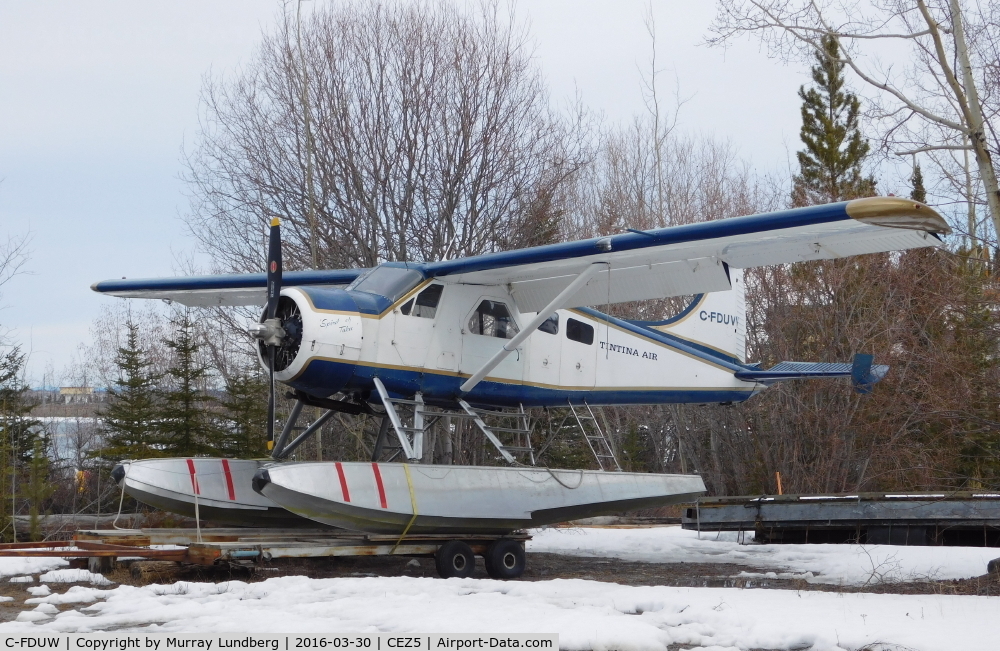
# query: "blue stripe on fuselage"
443, 389
679, 343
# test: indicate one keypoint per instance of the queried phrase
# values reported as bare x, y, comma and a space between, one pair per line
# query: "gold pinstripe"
540, 385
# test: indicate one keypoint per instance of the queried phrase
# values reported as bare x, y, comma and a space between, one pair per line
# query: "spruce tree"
245, 415
187, 420
39, 488
830, 164
17, 428
131, 420
21, 439
917, 180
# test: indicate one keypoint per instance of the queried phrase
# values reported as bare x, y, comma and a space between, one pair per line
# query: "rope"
553, 475
195, 489
413, 505
121, 500
197, 517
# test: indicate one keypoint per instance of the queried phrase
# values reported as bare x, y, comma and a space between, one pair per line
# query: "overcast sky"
98, 99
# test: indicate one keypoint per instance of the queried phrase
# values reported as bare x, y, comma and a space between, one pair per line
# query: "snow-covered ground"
585, 614
836, 564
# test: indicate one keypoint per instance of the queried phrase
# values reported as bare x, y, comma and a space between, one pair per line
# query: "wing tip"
898, 212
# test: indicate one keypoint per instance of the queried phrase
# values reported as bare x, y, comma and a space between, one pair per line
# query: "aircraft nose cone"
118, 473
260, 480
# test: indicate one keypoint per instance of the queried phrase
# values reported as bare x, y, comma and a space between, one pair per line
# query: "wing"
688, 259
208, 291
694, 258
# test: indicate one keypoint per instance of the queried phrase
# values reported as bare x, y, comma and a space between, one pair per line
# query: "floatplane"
498, 334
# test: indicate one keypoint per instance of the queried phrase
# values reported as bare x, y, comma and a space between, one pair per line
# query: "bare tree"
381, 131
938, 97
95, 364
13, 256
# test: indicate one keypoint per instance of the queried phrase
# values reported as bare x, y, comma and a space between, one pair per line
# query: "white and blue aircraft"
519, 329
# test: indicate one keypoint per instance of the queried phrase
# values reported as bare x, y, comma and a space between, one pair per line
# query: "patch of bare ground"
540, 567
543, 567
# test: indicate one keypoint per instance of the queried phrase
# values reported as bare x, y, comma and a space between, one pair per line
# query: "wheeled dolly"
504, 559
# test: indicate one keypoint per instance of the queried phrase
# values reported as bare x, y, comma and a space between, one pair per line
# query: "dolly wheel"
455, 558
504, 559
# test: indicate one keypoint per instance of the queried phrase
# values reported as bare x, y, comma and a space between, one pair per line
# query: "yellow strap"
413, 505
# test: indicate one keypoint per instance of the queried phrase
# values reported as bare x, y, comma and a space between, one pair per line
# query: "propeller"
271, 332
273, 294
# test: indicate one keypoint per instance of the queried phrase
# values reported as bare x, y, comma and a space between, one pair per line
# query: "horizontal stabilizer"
862, 372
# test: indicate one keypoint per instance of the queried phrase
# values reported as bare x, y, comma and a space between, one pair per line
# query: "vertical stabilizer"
716, 320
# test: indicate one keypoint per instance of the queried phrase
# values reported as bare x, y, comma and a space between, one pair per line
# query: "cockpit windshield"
390, 282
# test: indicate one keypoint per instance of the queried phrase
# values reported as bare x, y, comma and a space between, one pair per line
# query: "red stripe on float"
343, 482
194, 480
229, 479
381, 488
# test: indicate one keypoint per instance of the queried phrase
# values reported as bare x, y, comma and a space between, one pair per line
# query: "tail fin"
716, 321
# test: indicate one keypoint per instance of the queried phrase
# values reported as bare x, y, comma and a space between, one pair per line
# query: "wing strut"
550, 309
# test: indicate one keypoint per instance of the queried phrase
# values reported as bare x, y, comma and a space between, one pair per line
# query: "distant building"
77, 394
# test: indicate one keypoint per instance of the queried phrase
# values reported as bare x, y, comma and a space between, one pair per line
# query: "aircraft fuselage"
350, 337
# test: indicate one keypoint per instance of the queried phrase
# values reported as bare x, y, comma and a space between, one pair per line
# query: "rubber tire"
455, 559
504, 559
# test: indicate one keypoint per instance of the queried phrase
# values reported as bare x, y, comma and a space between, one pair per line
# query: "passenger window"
579, 331
493, 319
426, 303
550, 325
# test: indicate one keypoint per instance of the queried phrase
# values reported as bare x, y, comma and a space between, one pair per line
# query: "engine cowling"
321, 342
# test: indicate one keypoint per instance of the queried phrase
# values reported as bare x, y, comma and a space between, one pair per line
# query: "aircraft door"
415, 322
444, 348
579, 353
486, 329
543, 362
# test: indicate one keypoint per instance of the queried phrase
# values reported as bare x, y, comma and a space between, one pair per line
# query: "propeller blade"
270, 401
273, 295
273, 269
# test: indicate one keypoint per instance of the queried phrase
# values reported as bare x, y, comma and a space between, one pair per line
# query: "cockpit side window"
425, 304
493, 319
390, 282
550, 325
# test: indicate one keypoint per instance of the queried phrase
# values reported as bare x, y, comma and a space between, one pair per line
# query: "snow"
833, 564
14, 566
585, 614
74, 576
77, 594
40, 590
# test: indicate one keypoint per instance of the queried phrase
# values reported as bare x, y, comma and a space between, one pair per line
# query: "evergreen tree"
39, 487
830, 164
130, 422
21, 436
917, 180
245, 415
18, 429
187, 421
